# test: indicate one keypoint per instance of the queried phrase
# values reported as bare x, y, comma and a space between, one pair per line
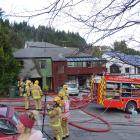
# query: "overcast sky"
61, 23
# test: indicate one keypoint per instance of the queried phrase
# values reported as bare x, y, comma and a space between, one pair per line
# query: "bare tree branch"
106, 17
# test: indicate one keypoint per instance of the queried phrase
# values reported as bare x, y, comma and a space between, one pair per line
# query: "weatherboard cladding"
129, 59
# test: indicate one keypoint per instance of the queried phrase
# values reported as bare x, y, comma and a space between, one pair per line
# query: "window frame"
127, 70
43, 64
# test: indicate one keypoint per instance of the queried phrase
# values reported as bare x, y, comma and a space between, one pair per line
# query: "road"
123, 128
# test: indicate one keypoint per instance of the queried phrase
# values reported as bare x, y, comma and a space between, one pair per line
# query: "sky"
62, 22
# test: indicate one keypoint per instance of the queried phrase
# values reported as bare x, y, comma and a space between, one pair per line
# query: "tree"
101, 18
121, 46
1, 13
96, 52
8, 66
21, 32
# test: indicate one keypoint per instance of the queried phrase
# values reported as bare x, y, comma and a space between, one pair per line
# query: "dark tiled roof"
40, 45
46, 51
129, 59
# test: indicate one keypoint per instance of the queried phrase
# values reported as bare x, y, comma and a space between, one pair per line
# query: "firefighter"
92, 86
65, 89
21, 87
65, 103
37, 95
27, 94
55, 117
91, 83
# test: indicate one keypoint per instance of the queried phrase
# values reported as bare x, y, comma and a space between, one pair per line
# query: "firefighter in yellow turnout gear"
65, 111
37, 95
27, 94
55, 116
65, 90
21, 87
92, 81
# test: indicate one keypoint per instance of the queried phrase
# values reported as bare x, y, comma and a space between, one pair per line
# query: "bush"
46, 88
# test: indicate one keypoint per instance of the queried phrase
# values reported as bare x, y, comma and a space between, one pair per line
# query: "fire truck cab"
119, 92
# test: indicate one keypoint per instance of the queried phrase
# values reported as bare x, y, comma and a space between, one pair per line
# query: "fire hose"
76, 103
85, 103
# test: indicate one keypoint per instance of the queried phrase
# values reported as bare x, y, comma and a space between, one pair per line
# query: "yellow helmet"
36, 82
61, 93
28, 82
56, 99
92, 81
65, 87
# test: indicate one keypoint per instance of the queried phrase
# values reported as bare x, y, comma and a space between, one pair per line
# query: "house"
54, 65
122, 64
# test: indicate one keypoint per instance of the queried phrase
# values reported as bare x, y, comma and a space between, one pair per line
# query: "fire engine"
119, 92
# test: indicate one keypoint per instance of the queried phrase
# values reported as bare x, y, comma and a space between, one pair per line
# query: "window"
70, 64
112, 85
127, 70
21, 64
15, 118
75, 64
88, 64
7, 127
43, 64
79, 64
95, 63
138, 70
72, 85
99, 63
115, 69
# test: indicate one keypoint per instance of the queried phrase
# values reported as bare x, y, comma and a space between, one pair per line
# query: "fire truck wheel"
131, 106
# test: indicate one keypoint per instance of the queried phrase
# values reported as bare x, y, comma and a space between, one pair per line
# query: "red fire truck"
119, 92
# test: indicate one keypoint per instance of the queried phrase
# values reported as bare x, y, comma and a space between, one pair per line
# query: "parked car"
8, 122
73, 89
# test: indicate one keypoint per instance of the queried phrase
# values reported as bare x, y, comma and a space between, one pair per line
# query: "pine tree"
8, 66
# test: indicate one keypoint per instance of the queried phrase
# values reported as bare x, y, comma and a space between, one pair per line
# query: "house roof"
80, 59
129, 59
31, 44
45, 50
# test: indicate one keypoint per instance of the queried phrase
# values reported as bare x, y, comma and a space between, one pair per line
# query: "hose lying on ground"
85, 103
76, 103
